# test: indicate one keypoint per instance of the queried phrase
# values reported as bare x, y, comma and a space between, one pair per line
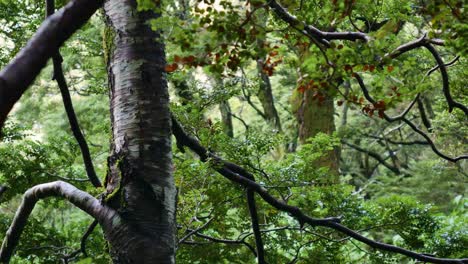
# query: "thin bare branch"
450, 63
67, 102
82, 248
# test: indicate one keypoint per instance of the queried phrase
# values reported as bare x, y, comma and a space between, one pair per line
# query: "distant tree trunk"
139, 183
265, 93
226, 118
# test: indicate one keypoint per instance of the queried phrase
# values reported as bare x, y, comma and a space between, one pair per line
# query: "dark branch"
16, 77
423, 115
450, 63
238, 177
255, 226
391, 141
445, 81
67, 102
3, 189
321, 37
79, 198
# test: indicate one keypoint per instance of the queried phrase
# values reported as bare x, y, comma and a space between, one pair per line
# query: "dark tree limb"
192, 232
423, 115
255, 226
402, 118
16, 77
79, 198
68, 104
373, 155
235, 173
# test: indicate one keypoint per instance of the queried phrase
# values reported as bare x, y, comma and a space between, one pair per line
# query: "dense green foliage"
212, 51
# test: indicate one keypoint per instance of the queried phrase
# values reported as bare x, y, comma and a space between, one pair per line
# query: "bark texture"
140, 183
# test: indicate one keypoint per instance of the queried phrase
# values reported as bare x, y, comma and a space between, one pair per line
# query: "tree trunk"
140, 183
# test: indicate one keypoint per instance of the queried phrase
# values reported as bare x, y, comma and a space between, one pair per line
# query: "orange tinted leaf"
390, 68
171, 67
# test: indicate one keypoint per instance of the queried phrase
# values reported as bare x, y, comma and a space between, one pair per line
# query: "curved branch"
450, 63
424, 118
16, 77
445, 81
238, 177
68, 104
79, 198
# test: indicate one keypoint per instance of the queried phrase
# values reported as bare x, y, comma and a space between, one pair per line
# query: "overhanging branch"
16, 77
237, 176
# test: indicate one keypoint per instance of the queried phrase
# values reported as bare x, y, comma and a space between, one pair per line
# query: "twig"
82, 248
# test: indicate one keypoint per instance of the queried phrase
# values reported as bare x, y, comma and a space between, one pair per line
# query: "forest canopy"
229, 131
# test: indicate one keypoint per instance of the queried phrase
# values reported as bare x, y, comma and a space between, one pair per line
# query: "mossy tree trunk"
140, 183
